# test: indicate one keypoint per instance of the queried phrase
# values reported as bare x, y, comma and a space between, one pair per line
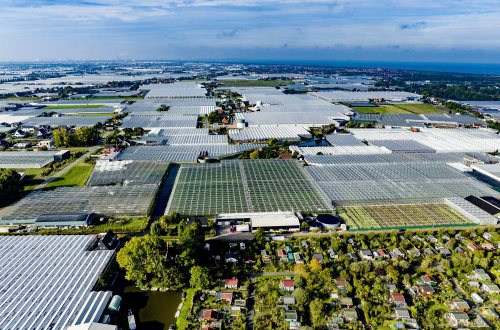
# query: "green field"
75, 177
73, 106
400, 216
255, 83
400, 109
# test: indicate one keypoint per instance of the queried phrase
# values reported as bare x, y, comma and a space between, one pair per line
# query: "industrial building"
269, 221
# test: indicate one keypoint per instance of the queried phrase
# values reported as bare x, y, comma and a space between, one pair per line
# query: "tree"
260, 237
10, 186
301, 298
255, 154
200, 277
317, 313
156, 228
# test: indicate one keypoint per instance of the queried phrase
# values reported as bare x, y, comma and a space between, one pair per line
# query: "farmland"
400, 215
400, 109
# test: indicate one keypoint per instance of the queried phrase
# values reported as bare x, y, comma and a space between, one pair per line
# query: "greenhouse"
245, 186
127, 172
26, 159
105, 200
264, 132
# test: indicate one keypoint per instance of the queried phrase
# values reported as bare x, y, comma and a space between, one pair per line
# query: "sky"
285, 30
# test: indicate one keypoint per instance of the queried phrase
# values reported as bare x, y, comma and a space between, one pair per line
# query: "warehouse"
269, 221
46, 280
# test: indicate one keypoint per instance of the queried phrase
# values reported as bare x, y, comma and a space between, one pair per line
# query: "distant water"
474, 68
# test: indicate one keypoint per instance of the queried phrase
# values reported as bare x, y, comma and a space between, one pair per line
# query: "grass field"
186, 308
75, 177
400, 215
400, 109
73, 106
255, 83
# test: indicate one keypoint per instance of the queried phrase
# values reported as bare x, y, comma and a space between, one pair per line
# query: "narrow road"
253, 276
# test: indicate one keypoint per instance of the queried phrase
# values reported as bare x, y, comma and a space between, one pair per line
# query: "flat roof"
265, 220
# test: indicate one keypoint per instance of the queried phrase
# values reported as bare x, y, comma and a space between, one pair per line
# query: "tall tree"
10, 186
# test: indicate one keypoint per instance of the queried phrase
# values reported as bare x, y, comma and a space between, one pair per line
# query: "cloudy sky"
378, 30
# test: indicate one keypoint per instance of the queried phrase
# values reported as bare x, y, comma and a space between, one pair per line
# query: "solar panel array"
45, 280
106, 200
127, 172
245, 186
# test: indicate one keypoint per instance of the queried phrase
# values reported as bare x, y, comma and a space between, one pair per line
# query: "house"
351, 256
477, 298
304, 244
19, 134
266, 258
366, 254
426, 290
391, 287
397, 253
45, 144
472, 247
383, 253
398, 299
457, 318
282, 254
231, 257
459, 305
487, 236
291, 316
231, 283
318, 257
490, 288
431, 239
481, 275
240, 302
341, 284
350, 314
444, 251
287, 285
458, 249
332, 254
414, 253
427, 280
402, 313
289, 300
41, 133
430, 251
226, 297
346, 302
290, 257
209, 315
207, 327
294, 325
488, 246
21, 145
298, 258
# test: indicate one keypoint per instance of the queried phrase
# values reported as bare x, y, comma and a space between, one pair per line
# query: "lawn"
413, 108
73, 106
186, 308
255, 83
75, 177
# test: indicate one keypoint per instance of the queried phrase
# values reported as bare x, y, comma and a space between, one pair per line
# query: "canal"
165, 190
153, 310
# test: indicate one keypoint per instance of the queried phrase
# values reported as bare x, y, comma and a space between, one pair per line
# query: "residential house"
298, 258
41, 133
397, 253
231, 283
341, 284
226, 297
289, 300
430, 251
366, 254
45, 144
472, 247
488, 246
458, 249
459, 305
294, 325
240, 302
383, 253
456, 319
427, 280
304, 244
318, 257
490, 288
266, 258
481, 275
209, 315
426, 290
431, 239
350, 314
445, 252
22, 145
402, 313
291, 316
398, 299
332, 254
477, 298
414, 252
351, 256
346, 302
282, 254
391, 287
287, 285
231, 257
19, 134
487, 236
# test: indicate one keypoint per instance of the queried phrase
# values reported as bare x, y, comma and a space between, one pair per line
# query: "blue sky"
379, 30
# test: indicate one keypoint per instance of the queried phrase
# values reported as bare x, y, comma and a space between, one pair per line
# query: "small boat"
131, 320
172, 327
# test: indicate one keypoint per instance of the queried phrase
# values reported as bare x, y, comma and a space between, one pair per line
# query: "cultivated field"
400, 215
400, 109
